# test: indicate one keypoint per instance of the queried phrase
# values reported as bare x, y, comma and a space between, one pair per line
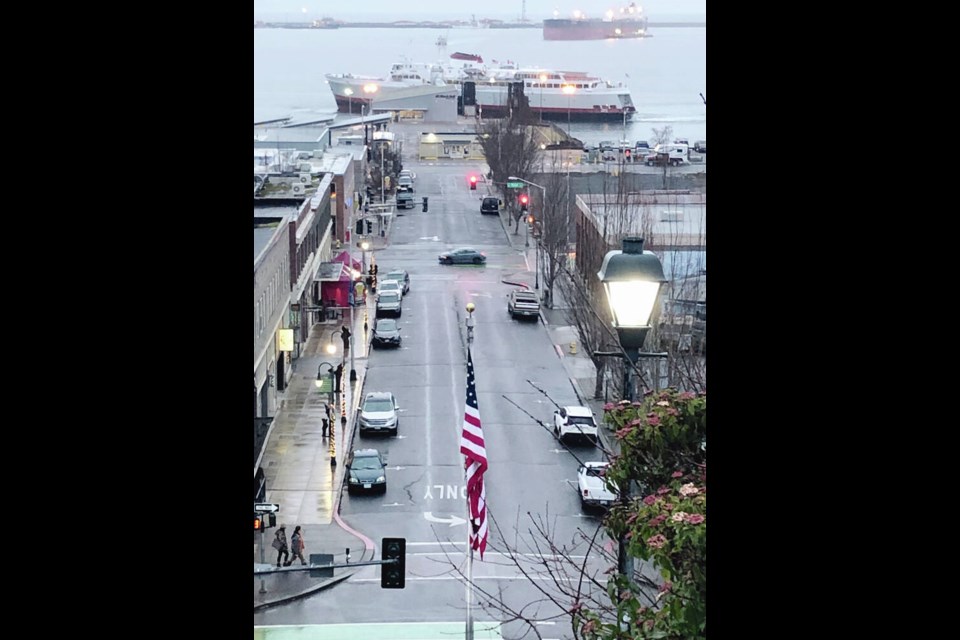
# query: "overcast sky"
444, 9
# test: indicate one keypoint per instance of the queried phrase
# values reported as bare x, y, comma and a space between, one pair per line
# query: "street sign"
266, 507
514, 185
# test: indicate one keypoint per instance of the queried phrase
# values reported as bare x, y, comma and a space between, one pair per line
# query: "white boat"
405, 80
556, 94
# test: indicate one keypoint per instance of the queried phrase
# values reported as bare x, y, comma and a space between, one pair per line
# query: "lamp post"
381, 173
353, 369
569, 89
349, 93
332, 429
632, 279
543, 79
543, 208
364, 247
369, 89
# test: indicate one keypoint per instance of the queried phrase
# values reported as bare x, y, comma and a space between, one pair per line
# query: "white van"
674, 154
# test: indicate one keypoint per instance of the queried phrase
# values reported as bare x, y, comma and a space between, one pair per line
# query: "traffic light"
271, 520
524, 201
627, 153
257, 522
473, 183
359, 227
530, 219
369, 227
393, 576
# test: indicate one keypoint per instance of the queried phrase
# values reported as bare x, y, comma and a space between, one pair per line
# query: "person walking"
280, 544
328, 420
297, 546
345, 336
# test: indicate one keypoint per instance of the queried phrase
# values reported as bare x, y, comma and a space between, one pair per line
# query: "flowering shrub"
662, 462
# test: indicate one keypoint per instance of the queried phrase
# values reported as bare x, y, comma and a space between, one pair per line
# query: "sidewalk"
297, 462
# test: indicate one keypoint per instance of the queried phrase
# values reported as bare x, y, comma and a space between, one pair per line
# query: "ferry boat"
406, 80
627, 22
572, 95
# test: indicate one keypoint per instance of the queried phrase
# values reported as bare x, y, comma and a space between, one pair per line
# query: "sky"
445, 10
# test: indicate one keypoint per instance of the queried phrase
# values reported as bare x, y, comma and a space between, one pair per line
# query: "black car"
490, 205
386, 333
367, 471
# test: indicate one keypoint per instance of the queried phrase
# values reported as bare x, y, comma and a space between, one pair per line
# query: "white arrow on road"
434, 238
452, 520
398, 467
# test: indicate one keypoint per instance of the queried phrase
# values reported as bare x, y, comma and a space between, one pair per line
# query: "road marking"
452, 520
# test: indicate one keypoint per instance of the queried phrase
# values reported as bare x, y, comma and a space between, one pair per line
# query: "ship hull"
610, 105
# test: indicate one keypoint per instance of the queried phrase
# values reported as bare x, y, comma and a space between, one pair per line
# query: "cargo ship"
627, 22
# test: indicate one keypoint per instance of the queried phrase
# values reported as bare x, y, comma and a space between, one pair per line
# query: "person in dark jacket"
280, 544
297, 546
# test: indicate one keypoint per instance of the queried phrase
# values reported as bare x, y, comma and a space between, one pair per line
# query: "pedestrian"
337, 376
280, 544
297, 546
329, 419
345, 336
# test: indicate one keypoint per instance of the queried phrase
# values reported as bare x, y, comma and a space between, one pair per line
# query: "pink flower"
666, 586
672, 412
663, 490
649, 500
679, 516
687, 395
608, 406
636, 422
589, 627
689, 490
653, 421
695, 519
656, 541
623, 433
676, 474
668, 506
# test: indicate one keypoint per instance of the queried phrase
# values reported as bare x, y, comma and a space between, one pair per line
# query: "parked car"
574, 422
464, 255
388, 304
379, 413
591, 482
681, 141
606, 145
490, 205
523, 304
700, 146
388, 285
407, 173
405, 183
386, 333
643, 144
367, 471
400, 276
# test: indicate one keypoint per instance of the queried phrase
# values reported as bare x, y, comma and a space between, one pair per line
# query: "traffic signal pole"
263, 560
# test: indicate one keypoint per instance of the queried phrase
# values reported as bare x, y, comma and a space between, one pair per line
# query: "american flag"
473, 449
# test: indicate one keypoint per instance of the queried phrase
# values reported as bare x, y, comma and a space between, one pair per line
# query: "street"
529, 471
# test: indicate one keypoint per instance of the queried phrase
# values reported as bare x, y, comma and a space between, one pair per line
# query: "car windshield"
387, 285
387, 325
389, 296
395, 275
366, 462
376, 406
596, 472
579, 420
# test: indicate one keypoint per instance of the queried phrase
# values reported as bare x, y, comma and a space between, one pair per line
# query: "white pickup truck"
592, 485
571, 422
523, 304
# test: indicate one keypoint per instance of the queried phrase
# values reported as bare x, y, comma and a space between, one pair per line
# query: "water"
666, 73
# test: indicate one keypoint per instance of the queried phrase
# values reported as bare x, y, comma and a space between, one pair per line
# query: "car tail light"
586, 493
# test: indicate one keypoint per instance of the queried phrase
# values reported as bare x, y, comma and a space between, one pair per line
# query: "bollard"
573, 347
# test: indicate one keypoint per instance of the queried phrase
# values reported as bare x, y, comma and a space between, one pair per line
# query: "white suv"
591, 484
379, 413
570, 422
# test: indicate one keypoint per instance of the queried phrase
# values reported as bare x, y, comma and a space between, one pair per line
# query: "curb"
303, 594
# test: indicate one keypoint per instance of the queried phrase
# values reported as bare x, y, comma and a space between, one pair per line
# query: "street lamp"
369, 89
331, 428
330, 347
632, 279
569, 89
364, 247
543, 79
543, 205
349, 93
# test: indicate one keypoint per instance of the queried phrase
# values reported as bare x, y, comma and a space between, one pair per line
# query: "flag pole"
469, 631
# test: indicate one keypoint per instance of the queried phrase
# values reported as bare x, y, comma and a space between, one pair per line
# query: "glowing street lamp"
349, 93
569, 90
